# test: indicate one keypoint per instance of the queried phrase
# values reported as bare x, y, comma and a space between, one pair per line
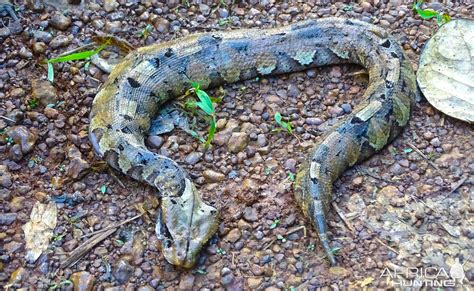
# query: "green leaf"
278, 117
196, 135
103, 189
427, 13
212, 132
195, 85
50, 72
78, 56
206, 100
407, 150
275, 223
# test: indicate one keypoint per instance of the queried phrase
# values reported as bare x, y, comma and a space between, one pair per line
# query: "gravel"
395, 201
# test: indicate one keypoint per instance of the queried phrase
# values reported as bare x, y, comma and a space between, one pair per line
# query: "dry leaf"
446, 70
39, 230
363, 283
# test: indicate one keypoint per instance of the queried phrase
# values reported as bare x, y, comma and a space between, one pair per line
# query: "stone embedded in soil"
237, 142
186, 282
82, 281
77, 168
5, 177
233, 235
7, 218
250, 214
59, 21
42, 36
254, 282
110, 5
213, 176
123, 270
60, 41
22, 137
193, 158
44, 92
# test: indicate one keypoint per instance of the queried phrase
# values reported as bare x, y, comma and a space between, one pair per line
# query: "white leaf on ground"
446, 69
39, 230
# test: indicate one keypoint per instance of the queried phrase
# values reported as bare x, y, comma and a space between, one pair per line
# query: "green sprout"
441, 18
33, 103
85, 55
103, 189
220, 252
291, 176
275, 223
205, 103
144, 33
283, 125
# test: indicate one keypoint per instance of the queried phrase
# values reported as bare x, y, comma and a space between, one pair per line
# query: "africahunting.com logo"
425, 277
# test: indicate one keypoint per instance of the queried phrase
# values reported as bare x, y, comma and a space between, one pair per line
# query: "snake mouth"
94, 137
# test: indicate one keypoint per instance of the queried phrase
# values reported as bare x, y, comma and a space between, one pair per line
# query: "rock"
313, 121
290, 165
5, 194
5, 177
39, 48
123, 270
13, 247
346, 107
254, 282
237, 142
7, 218
193, 158
186, 282
82, 281
336, 72
223, 13
396, 169
59, 21
15, 153
233, 235
42, 36
4, 31
22, 137
35, 5
250, 214
77, 168
44, 92
110, 5
60, 41
155, 141
205, 9
293, 91
162, 25
145, 288
212, 176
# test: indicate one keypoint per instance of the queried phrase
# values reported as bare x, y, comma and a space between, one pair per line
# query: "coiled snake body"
149, 76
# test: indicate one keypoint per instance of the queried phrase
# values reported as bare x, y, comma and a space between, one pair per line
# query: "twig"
423, 155
116, 179
456, 186
118, 224
343, 217
85, 247
373, 175
7, 119
270, 244
297, 228
99, 236
387, 246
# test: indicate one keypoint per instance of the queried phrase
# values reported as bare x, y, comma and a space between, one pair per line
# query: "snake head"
184, 224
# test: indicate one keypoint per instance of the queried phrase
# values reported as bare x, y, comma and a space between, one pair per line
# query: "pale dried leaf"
39, 230
446, 70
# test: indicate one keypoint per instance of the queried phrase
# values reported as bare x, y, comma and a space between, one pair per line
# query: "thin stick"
423, 155
373, 175
297, 228
343, 217
387, 246
457, 185
112, 226
85, 247
7, 119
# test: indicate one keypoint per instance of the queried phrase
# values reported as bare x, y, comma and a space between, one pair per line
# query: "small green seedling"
275, 223
441, 18
291, 176
205, 103
33, 103
281, 238
74, 57
103, 189
144, 33
220, 252
283, 125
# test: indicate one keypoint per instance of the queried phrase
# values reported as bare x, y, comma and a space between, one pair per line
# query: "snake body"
150, 76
